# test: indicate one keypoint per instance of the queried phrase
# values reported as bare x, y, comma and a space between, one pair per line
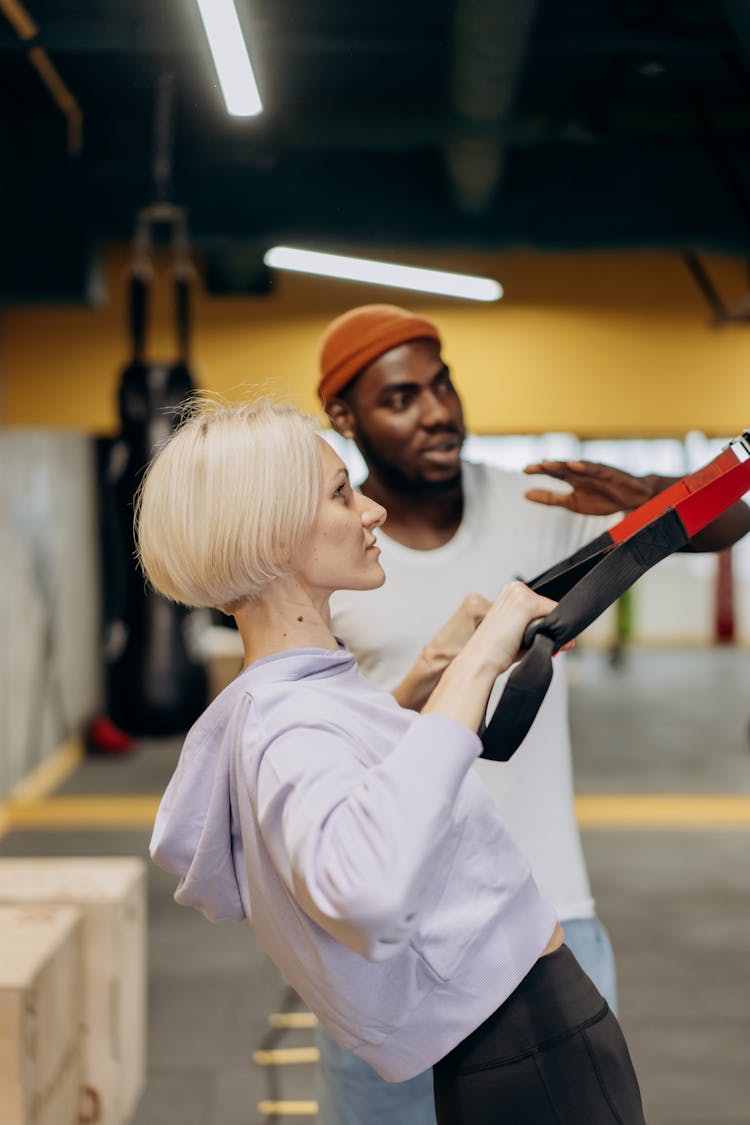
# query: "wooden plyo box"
40, 1019
111, 896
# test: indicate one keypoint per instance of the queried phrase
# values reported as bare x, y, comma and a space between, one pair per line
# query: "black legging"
552, 1054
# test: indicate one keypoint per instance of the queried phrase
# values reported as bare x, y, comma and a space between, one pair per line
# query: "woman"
352, 831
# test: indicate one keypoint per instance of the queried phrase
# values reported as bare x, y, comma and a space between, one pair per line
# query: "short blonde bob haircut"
226, 505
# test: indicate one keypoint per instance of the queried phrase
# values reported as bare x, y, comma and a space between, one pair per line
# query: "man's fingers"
546, 468
547, 496
564, 469
565, 648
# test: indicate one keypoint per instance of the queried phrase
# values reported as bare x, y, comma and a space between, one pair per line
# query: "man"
455, 533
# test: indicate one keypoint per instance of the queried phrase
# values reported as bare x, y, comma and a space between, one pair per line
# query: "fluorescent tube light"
230, 56
384, 273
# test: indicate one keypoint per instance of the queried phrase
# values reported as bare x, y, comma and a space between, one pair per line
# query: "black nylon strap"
610, 577
556, 581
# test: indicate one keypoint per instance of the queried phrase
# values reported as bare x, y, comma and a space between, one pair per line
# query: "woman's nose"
373, 515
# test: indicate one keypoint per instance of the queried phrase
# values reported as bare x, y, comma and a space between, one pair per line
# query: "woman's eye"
341, 490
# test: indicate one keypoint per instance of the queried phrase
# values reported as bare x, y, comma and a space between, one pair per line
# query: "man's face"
407, 417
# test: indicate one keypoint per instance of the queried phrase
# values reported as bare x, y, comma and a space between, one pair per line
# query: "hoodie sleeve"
356, 845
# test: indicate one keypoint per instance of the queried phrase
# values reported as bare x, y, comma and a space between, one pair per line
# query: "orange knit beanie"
358, 337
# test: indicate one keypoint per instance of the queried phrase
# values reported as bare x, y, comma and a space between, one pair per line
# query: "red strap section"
699, 509
698, 498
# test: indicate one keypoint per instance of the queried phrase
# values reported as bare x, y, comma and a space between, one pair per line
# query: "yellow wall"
599, 344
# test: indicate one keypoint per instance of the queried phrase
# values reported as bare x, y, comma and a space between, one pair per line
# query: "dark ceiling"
416, 123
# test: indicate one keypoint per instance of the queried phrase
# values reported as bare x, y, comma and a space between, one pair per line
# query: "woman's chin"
380, 580
375, 581
372, 579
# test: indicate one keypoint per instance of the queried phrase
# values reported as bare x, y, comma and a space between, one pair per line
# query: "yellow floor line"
82, 812
303, 1020
284, 1056
50, 774
691, 811
670, 811
288, 1109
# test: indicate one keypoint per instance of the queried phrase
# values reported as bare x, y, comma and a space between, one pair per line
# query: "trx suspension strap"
591, 579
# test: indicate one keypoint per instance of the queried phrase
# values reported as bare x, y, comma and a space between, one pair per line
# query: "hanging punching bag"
157, 684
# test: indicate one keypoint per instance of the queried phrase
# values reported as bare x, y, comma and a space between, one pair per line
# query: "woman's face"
340, 553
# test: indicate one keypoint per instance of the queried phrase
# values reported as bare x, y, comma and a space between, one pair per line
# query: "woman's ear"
341, 417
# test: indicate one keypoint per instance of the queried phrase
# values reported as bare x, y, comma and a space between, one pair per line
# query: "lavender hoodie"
369, 858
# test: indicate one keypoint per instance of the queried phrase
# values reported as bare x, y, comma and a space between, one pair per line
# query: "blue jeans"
351, 1093
589, 943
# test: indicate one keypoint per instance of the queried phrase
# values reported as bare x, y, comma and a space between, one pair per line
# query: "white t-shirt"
502, 536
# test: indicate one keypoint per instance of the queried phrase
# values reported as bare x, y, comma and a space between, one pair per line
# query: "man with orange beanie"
455, 532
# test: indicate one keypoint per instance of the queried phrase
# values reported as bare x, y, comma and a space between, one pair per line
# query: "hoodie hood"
196, 834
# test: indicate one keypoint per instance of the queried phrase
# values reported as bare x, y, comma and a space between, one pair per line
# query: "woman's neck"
284, 617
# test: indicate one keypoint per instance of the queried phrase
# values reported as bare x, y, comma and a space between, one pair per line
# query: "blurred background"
591, 157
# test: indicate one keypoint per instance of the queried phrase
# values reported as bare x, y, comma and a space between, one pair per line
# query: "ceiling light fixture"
384, 273
232, 62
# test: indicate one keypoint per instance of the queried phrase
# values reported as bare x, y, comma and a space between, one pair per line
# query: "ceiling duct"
490, 46
738, 18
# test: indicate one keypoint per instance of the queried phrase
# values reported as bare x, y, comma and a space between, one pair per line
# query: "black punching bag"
157, 684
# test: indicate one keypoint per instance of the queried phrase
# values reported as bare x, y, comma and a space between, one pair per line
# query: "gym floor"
662, 766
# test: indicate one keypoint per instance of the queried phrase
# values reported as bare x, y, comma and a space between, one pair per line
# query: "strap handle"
603, 583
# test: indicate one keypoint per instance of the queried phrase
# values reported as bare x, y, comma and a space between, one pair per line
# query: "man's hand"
596, 490
600, 490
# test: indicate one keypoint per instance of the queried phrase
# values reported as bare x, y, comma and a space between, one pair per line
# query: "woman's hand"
448, 641
464, 687
502, 629
439, 652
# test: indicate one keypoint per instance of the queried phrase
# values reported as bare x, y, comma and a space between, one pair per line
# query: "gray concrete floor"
677, 904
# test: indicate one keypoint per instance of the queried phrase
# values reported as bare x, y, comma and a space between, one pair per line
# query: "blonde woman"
350, 831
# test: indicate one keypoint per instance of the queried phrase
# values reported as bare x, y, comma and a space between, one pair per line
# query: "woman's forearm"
420, 681
465, 685
464, 688
440, 651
